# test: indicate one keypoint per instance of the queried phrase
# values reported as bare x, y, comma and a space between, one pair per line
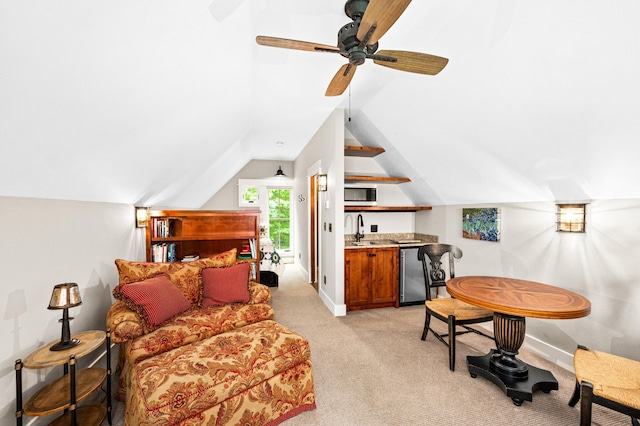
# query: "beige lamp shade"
65, 295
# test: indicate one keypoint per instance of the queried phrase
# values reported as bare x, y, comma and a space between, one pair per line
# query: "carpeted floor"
371, 368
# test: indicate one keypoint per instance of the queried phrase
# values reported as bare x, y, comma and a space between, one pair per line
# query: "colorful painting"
481, 224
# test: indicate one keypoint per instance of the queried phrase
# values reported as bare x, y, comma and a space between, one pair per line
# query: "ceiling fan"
358, 40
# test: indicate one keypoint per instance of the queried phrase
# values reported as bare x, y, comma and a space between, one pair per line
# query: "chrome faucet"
359, 223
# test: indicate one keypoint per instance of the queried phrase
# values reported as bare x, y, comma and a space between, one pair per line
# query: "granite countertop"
389, 240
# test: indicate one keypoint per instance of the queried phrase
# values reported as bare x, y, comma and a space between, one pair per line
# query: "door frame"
313, 232
315, 219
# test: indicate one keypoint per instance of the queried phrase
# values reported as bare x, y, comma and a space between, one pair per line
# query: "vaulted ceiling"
161, 102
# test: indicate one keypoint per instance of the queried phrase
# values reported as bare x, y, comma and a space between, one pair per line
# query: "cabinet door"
384, 273
356, 277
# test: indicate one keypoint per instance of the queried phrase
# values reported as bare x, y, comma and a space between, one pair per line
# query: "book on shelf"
163, 252
190, 257
247, 251
252, 247
162, 228
172, 254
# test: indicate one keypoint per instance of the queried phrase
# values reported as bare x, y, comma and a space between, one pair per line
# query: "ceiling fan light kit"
358, 41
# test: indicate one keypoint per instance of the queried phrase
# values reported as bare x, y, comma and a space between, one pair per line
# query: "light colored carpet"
371, 368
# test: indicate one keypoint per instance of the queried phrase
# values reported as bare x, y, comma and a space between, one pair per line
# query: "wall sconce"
65, 296
571, 217
279, 172
322, 183
142, 217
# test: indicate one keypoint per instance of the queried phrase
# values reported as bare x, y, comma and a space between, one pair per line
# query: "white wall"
601, 264
227, 197
49, 242
325, 153
388, 222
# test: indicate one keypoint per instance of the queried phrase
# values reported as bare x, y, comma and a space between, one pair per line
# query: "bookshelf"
183, 235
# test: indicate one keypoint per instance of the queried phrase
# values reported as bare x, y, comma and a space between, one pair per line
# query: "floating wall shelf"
362, 151
385, 208
375, 179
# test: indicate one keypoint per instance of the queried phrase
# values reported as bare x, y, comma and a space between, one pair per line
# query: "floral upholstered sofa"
199, 346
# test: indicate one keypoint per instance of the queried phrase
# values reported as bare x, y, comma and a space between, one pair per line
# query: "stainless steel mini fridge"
412, 288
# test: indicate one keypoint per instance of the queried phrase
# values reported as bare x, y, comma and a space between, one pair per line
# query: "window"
248, 195
272, 196
280, 218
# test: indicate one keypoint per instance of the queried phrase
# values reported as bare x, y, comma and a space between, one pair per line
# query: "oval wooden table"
73, 387
512, 300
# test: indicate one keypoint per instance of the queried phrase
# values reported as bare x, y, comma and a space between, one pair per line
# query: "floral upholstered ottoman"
259, 374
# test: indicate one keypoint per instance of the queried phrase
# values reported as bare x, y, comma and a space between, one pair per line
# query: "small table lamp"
65, 296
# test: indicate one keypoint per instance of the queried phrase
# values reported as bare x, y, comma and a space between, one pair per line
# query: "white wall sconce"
570, 217
322, 183
142, 217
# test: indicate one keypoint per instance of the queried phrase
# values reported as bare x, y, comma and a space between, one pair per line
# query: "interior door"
313, 232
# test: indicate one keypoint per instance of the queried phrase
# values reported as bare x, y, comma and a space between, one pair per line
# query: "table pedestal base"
519, 390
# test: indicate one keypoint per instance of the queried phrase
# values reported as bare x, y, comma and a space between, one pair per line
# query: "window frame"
288, 251
262, 204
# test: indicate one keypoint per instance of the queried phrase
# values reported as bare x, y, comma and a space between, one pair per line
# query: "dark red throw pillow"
221, 286
156, 300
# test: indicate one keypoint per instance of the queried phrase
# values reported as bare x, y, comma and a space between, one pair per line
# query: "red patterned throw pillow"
221, 286
156, 300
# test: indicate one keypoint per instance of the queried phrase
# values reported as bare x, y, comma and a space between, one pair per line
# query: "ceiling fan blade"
341, 80
420, 63
383, 14
286, 43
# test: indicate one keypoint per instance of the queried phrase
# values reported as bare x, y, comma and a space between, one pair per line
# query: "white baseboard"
336, 310
304, 271
550, 353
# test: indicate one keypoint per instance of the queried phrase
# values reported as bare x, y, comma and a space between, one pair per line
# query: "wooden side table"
73, 387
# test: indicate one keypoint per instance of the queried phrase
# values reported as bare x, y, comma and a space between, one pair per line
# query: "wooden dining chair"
447, 309
608, 380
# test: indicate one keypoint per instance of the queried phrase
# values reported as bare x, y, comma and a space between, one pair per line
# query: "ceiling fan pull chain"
349, 102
